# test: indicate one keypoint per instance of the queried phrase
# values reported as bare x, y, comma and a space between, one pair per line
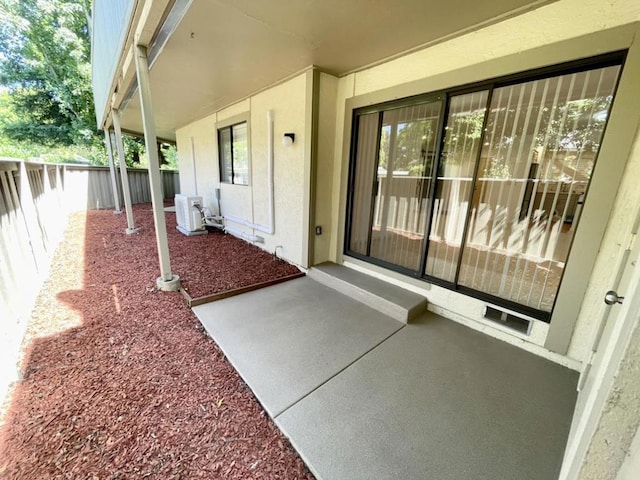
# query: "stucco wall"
631, 465
325, 166
288, 102
559, 32
619, 422
198, 170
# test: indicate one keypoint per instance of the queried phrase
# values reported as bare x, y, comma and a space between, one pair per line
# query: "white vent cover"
188, 214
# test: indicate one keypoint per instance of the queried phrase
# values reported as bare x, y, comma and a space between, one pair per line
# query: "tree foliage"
45, 66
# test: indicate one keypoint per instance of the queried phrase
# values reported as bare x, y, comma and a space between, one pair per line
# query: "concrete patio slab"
287, 339
437, 401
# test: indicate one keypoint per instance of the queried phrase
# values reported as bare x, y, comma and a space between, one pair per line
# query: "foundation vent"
508, 319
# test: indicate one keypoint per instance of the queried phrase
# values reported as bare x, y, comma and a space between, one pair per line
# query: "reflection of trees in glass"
240, 153
576, 125
385, 133
463, 131
565, 141
574, 135
413, 146
496, 169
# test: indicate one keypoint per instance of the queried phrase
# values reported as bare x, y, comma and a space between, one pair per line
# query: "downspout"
244, 235
193, 161
271, 228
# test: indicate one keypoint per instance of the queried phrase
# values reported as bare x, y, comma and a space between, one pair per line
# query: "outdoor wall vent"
508, 319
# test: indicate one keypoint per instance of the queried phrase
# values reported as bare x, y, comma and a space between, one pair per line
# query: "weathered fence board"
90, 188
35, 201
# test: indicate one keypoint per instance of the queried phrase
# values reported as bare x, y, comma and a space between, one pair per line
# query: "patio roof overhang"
223, 51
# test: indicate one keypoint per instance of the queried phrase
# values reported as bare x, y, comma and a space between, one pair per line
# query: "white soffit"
224, 50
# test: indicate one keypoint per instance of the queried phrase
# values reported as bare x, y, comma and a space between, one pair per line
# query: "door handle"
611, 298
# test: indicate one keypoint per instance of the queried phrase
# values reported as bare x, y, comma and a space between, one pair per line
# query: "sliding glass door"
480, 191
539, 150
395, 160
462, 141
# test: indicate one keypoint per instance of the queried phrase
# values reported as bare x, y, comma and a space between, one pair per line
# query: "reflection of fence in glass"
538, 155
512, 174
406, 153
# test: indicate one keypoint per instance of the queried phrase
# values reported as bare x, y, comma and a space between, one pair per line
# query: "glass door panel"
540, 146
463, 133
406, 158
366, 159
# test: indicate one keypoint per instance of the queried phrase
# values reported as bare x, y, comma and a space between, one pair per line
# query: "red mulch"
137, 389
213, 263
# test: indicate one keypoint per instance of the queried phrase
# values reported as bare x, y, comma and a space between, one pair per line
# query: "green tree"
45, 66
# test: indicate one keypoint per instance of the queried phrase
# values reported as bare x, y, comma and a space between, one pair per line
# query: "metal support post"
112, 170
131, 226
167, 281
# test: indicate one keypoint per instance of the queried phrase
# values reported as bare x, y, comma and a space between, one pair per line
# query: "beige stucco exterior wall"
328, 91
288, 102
194, 145
559, 32
613, 439
631, 465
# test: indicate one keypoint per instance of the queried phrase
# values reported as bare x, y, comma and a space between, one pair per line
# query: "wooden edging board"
194, 302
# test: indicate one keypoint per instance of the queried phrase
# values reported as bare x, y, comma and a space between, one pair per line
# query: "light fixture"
288, 139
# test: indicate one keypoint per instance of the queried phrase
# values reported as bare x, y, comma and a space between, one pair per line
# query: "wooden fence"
35, 202
89, 188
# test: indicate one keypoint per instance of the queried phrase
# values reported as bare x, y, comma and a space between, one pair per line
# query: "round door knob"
611, 298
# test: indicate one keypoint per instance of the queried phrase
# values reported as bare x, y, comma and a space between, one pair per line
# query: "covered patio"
119, 379
268, 106
361, 395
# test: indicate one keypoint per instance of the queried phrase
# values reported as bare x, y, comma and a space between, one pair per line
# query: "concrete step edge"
383, 305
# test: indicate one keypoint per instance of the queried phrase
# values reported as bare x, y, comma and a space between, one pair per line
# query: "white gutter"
168, 27
271, 228
193, 161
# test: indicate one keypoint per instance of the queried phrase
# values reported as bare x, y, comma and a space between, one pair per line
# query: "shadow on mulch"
135, 389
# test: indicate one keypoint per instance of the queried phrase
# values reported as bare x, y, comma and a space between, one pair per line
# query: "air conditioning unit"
188, 215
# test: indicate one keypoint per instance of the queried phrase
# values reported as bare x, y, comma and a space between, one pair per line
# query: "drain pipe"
270, 228
244, 235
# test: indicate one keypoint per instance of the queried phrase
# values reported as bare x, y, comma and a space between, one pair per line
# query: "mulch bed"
216, 262
121, 381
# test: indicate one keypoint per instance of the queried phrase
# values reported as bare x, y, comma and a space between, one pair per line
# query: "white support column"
112, 170
131, 226
167, 281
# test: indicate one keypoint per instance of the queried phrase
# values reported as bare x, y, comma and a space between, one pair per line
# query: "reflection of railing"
502, 209
406, 199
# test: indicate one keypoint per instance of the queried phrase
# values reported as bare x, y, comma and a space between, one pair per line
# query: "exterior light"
288, 139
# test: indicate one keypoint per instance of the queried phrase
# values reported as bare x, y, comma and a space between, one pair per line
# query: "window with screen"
233, 154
